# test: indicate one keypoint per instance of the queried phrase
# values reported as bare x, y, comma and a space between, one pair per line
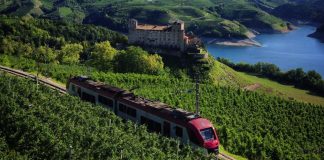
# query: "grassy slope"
285, 91
224, 75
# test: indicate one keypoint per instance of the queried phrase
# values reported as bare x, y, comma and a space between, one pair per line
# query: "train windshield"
207, 134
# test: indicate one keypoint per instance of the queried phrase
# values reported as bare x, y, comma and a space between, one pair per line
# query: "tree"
136, 60
300, 74
44, 54
7, 46
102, 55
70, 53
153, 64
312, 79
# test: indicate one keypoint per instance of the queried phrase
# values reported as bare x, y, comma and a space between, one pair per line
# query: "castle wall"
172, 36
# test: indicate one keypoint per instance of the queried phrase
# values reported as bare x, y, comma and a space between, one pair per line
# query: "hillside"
305, 11
38, 123
58, 37
244, 120
319, 33
205, 18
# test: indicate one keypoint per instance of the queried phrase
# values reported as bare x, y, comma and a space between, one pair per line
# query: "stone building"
171, 36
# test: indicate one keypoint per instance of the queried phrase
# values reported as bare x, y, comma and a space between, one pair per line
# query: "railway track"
43, 81
62, 89
224, 157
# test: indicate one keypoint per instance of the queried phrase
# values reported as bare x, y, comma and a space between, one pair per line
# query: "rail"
33, 77
224, 157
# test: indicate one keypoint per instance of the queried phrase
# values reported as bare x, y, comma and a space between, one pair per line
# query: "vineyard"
251, 124
38, 123
254, 125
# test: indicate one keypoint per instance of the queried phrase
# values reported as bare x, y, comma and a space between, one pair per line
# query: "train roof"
157, 108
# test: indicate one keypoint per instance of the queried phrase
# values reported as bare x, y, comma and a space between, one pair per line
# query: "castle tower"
178, 28
132, 24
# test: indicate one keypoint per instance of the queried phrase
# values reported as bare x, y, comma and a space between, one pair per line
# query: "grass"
226, 76
281, 90
236, 157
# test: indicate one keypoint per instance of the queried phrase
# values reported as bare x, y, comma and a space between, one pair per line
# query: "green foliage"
251, 124
136, 60
250, 16
102, 55
70, 53
43, 124
44, 54
54, 34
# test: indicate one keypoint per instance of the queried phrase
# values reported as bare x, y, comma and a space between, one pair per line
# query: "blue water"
288, 51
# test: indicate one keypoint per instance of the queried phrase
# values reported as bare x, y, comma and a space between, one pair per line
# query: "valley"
259, 110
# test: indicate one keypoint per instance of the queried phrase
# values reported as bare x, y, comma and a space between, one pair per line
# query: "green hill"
206, 18
309, 11
319, 33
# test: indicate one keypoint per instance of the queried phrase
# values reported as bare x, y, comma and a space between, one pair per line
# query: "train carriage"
159, 117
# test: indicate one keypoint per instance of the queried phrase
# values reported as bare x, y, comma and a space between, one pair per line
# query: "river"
288, 51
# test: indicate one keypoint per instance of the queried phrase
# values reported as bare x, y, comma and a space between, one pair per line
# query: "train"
159, 117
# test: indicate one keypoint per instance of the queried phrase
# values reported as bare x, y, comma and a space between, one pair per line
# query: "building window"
178, 131
106, 101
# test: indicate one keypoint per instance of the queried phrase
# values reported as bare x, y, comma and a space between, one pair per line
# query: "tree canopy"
136, 60
70, 53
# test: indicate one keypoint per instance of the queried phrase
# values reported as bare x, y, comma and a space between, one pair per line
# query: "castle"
171, 36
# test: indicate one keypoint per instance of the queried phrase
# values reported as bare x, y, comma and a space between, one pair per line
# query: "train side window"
88, 97
106, 101
151, 125
122, 108
131, 112
178, 131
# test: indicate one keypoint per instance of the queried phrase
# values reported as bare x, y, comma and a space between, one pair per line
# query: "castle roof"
151, 27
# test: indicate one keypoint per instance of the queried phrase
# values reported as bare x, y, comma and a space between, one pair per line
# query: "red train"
159, 117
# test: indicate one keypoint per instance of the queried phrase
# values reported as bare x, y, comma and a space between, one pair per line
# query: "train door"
79, 91
166, 129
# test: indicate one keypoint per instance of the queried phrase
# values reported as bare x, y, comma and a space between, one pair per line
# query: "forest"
48, 41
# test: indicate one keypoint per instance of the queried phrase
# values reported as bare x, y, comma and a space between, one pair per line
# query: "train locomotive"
159, 117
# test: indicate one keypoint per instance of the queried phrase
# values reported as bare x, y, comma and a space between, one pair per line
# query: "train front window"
207, 134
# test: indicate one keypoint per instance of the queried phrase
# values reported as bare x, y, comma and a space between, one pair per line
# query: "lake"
288, 51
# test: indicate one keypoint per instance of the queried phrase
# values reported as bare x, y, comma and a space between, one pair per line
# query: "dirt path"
252, 87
